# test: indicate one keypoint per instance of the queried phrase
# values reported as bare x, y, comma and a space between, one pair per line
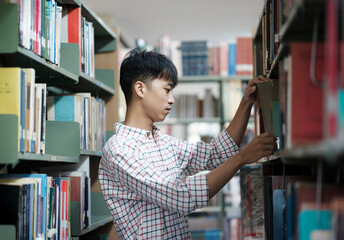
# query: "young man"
141, 170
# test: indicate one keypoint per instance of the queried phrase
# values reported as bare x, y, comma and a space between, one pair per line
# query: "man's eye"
167, 90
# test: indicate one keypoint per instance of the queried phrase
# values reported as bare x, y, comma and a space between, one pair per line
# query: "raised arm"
237, 127
260, 146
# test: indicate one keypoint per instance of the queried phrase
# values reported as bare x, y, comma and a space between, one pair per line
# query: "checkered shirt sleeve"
200, 156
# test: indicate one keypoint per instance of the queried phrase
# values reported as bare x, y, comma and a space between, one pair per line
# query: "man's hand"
250, 93
261, 146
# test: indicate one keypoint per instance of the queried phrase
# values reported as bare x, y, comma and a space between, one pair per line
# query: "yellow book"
10, 94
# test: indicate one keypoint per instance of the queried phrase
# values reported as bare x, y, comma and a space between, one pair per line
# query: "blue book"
312, 219
62, 108
279, 205
232, 52
341, 109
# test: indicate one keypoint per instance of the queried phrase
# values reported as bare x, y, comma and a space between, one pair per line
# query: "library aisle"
60, 98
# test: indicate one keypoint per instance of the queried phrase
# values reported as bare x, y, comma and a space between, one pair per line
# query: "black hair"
145, 66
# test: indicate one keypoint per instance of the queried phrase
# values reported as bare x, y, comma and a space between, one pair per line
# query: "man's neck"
134, 118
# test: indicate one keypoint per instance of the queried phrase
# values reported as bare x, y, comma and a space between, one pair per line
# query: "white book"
43, 117
92, 67
64, 25
40, 116
31, 105
58, 34
52, 31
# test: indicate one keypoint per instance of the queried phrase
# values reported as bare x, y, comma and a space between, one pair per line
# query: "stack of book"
22, 96
43, 207
85, 109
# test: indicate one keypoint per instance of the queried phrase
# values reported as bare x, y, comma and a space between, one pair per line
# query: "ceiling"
211, 20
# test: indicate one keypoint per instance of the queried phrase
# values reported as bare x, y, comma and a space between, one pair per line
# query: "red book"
74, 28
37, 42
305, 98
75, 185
64, 209
244, 58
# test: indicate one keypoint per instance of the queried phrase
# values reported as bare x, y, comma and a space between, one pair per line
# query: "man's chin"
160, 119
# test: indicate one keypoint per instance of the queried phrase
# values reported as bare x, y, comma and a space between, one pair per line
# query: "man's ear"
139, 88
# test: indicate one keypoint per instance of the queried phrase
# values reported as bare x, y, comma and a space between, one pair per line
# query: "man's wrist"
240, 159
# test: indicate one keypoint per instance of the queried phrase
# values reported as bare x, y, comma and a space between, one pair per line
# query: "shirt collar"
134, 132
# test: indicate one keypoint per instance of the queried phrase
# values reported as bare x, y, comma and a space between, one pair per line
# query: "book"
252, 198
58, 35
223, 59
52, 32
265, 98
71, 27
232, 58
40, 116
12, 207
279, 204
12, 85
176, 56
269, 104
232, 95
305, 98
30, 113
194, 57
67, 108
313, 219
244, 56
341, 94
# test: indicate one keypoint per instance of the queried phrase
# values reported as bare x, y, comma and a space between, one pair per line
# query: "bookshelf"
63, 150
304, 162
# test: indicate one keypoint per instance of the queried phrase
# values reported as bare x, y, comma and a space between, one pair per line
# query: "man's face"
158, 99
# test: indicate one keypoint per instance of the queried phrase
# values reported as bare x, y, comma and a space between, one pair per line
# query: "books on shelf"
194, 58
301, 205
44, 207
188, 106
252, 201
23, 97
33, 203
88, 111
232, 95
40, 28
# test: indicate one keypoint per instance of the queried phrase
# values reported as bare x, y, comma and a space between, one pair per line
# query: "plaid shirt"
141, 176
